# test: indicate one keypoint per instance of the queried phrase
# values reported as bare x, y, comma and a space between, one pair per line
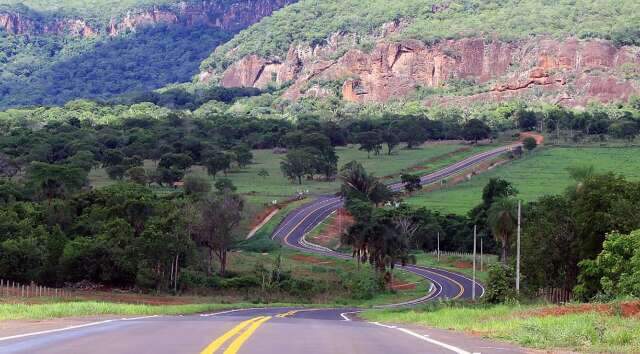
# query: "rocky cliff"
571, 72
230, 16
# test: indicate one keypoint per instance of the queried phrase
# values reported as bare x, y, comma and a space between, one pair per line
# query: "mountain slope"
440, 51
52, 52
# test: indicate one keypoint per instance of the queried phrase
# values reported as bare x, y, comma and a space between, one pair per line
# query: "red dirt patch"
625, 309
539, 137
331, 233
463, 265
402, 286
263, 214
310, 259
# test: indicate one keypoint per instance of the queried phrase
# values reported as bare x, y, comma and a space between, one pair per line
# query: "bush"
362, 285
501, 284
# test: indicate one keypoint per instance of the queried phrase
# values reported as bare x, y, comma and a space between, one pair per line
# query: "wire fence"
486, 258
555, 295
10, 288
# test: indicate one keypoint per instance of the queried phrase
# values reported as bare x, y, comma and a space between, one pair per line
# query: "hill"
451, 52
53, 52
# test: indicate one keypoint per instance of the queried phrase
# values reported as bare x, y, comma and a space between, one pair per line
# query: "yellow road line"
216, 344
286, 237
238, 342
286, 314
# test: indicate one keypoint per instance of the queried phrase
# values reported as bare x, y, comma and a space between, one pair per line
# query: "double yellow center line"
252, 324
243, 331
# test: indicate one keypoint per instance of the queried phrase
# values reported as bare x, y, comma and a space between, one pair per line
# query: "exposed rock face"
230, 16
569, 71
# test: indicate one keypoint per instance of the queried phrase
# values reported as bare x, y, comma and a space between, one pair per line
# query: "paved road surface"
258, 331
272, 331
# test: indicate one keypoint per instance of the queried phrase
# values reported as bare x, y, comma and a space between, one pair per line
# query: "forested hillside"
439, 52
53, 52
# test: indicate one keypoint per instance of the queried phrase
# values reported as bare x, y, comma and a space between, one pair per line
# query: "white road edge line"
425, 338
18, 336
346, 318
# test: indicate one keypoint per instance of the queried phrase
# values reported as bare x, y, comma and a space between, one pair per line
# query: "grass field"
575, 327
543, 172
275, 186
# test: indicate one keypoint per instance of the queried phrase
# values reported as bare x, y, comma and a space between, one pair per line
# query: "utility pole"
473, 285
481, 256
518, 250
438, 246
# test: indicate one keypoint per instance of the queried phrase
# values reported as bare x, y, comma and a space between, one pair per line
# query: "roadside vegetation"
582, 328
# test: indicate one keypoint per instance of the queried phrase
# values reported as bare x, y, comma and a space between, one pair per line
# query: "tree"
624, 130
392, 140
526, 119
370, 141
358, 184
616, 270
529, 143
196, 186
137, 175
297, 164
242, 155
55, 180
502, 218
216, 162
215, 229
263, 173
180, 162
475, 130
224, 185
411, 183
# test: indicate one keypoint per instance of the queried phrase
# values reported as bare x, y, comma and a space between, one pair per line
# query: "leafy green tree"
616, 270
216, 162
370, 141
263, 173
411, 182
225, 185
242, 155
392, 140
196, 186
529, 143
501, 284
54, 181
475, 130
137, 175
297, 164
216, 226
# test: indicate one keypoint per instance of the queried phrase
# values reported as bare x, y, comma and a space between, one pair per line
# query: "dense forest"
51, 70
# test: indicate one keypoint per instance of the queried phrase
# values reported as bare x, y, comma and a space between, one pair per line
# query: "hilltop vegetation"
310, 21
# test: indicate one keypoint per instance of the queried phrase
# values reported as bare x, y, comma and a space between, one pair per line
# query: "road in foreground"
257, 331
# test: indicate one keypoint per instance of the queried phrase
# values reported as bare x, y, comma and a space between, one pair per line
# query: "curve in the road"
446, 284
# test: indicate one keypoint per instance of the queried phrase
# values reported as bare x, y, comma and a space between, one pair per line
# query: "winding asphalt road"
264, 330
446, 285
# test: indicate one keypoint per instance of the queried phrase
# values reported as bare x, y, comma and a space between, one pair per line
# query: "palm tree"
502, 218
357, 182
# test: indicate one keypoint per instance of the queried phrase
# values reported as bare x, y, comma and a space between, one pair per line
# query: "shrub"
501, 284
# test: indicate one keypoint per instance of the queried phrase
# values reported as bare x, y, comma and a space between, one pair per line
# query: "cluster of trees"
564, 235
123, 235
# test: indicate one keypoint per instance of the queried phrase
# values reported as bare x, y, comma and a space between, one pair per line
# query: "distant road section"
447, 285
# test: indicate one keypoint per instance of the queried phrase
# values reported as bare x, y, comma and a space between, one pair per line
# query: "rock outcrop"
570, 72
230, 16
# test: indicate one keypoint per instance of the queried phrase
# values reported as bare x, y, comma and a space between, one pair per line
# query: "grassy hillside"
544, 172
275, 186
312, 21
